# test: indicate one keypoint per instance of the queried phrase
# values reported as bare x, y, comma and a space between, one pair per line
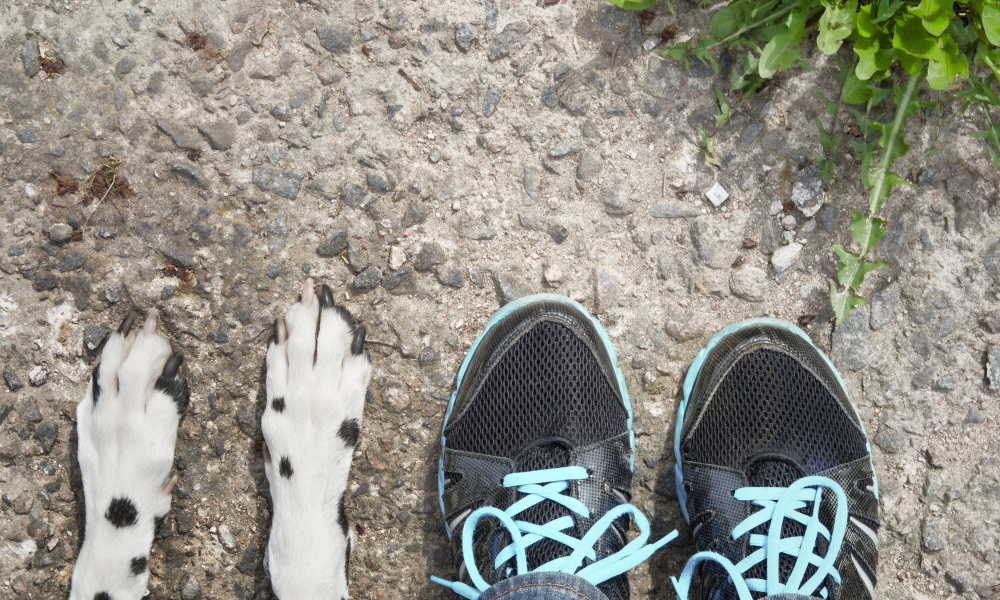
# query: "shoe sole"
695, 369
498, 317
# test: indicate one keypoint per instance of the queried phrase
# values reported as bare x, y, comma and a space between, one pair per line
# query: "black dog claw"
358, 345
326, 296
173, 363
126, 325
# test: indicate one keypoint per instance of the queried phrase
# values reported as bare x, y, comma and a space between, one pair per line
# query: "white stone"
396, 257
227, 538
785, 256
553, 275
38, 375
717, 194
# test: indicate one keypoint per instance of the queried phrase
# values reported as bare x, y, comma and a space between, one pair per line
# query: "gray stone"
430, 256
189, 170
250, 562
507, 40
273, 270
491, 99
368, 279
281, 112
71, 261
807, 191
885, 305
134, 20
673, 210
531, 178
221, 134
120, 94
564, 150
785, 256
185, 137
377, 184
30, 57
5, 409
60, 232
46, 434
13, 383
748, 283
45, 282
334, 245
590, 166
353, 194
336, 39
27, 136
850, 341
931, 538
826, 220
451, 278
613, 203
991, 260
125, 66
227, 539
557, 232
891, 442
550, 97
713, 243
465, 35
993, 367
401, 282
156, 82
750, 133
490, 7
237, 58
179, 254
509, 286
299, 98
283, 183
79, 286
605, 289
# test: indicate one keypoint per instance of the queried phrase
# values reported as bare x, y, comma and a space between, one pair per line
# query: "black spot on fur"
102, 596
95, 386
278, 404
342, 517
172, 385
349, 431
285, 467
122, 513
158, 523
138, 565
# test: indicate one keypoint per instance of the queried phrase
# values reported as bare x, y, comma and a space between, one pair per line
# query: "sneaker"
774, 471
538, 453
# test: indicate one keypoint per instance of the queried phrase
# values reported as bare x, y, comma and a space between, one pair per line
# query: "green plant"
896, 46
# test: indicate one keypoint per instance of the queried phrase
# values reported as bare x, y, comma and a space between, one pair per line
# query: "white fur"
126, 449
307, 549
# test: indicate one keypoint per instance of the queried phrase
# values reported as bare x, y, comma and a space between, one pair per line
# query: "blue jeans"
562, 586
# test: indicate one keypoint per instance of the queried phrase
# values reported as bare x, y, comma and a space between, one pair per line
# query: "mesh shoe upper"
766, 410
540, 392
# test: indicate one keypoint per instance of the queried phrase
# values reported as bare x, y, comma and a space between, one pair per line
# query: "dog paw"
127, 427
317, 377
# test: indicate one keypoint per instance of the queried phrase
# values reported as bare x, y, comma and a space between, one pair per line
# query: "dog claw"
307, 292
152, 318
126, 325
173, 363
358, 345
326, 296
168, 485
280, 331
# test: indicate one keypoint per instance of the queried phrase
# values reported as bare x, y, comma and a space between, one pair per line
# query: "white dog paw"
127, 427
317, 377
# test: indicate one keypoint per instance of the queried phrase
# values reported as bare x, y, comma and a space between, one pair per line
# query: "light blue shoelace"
539, 486
776, 505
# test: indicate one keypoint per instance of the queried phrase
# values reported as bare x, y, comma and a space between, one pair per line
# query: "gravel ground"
432, 161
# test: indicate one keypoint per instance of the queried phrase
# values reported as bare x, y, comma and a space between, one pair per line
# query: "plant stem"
885, 161
769, 18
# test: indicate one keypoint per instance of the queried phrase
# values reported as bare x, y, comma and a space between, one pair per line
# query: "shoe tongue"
772, 471
546, 454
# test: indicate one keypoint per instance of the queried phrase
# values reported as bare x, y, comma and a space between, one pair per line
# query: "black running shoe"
538, 453
774, 471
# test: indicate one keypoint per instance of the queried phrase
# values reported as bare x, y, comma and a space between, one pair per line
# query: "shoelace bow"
539, 486
776, 505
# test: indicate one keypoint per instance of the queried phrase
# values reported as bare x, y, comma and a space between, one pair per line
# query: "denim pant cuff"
543, 586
